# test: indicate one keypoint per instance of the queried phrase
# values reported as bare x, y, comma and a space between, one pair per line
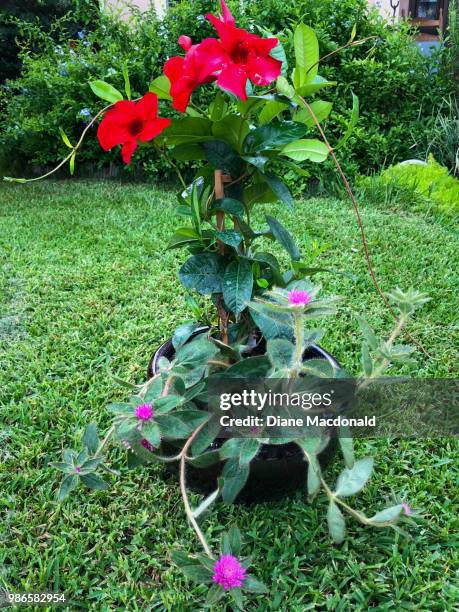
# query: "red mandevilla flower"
244, 56
196, 68
238, 56
129, 123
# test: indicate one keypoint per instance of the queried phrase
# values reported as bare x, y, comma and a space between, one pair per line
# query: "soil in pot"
276, 472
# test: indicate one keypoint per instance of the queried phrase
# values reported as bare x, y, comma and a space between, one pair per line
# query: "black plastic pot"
276, 472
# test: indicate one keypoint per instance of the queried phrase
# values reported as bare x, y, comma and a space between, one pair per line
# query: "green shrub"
441, 137
414, 186
16, 16
387, 73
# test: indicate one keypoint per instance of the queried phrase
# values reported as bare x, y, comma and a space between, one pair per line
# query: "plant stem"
105, 441
74, 150
359, 219
186, 502
219, 195
299, 341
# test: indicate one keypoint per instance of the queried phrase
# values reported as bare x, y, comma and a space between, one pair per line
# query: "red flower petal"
111, 133
173, 68
128, 150
227, 17
185, 42
234, 79
263, 70
153, 128
147, 107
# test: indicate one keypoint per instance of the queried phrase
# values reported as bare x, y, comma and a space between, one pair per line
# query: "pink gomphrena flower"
144, 412
407, 509
148, 445
77, 469
126, 445
228, 572
299, 297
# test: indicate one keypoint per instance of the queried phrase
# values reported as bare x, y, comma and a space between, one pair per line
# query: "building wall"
385, 8
159, 5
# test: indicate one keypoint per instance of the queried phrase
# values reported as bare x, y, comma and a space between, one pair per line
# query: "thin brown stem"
186, 502
359, 220
349, 44
74, 150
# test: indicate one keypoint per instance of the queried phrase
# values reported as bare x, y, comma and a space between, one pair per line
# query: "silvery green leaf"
389, 516
336, 524
351, 481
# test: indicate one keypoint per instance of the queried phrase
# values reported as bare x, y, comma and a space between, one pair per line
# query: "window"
427, 9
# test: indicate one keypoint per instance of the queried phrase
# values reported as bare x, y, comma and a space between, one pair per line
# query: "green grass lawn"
87, 291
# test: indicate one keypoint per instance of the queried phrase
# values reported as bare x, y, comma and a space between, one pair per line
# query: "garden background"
88, 292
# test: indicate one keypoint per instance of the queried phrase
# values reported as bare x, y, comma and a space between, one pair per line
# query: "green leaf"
67, 485
367, 362
217, 107
230, 206
238, 598
347, 448
105, 91
65, 138
90, 465
284, 87
127, 82
280, 189
182, 237
351, 481
223, 157
197, 573
355, 113
313, 476
234, 478
206, 436
93, 481
279, 53
90, 438
238, 285
230, 237
234, 541
252, 585
206, 459
301, 150
280, 351
321, 110
336, 524
72, 164
251, 367
284, 238
188, 130
214, 594
231, 448
258, 161
232, 129
306, 48
161, 86
205, 504
203, 272
67, 468
271, 110
367, 333
249, 449
316, 85
150, 431
273, 136
181, 424
389, 516
271, 324
183, 333
188, 152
